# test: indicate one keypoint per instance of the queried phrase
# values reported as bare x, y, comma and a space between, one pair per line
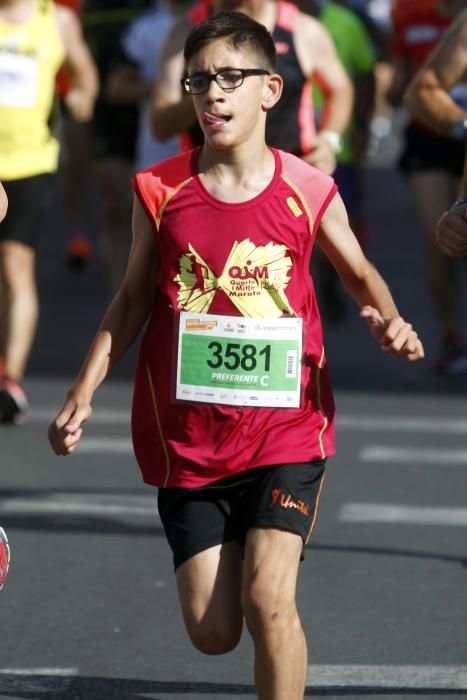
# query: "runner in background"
433, 165
113, 133
355, 50
3, 211
76, 172
36, 38
131, 82
304, 49
430, 97
4, 546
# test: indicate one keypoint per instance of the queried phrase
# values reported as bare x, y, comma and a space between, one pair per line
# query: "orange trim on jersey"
306, 119
159, 427
168, 198
316, 510
302, 199
318, 398
287, 15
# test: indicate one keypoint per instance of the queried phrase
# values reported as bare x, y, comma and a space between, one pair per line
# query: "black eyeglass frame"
245, 72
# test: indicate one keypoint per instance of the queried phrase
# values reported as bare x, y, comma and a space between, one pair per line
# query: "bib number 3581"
234, 356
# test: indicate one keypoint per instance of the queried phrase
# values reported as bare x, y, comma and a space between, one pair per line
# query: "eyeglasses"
228, 79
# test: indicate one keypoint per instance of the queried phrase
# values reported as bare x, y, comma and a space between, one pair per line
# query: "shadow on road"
86, 688
389, 552
105, 524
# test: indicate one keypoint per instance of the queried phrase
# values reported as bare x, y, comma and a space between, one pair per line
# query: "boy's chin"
220, 142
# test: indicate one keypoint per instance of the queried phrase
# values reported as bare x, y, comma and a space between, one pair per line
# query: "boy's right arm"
120, 326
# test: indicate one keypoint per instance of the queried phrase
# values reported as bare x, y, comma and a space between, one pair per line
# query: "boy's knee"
268, 608
214, 640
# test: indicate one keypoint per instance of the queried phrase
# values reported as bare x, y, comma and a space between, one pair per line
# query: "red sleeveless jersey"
202, 242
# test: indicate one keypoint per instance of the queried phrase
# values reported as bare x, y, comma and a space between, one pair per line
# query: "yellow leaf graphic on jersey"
197, 283
254, 279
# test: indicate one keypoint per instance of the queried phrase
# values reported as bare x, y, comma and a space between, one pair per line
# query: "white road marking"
410, 515
105, 445
98, 505
39, 671
403, 677
431, 455
35, 680
345, 421
99, 415
404, 424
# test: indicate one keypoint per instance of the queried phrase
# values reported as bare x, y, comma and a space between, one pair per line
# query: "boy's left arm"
364, 283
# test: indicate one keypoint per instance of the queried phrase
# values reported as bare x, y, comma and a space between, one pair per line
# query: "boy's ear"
272, 91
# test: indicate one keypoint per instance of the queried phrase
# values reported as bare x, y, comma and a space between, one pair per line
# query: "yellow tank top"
30, 55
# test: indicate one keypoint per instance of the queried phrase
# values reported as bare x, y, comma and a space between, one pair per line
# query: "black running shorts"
426, 151
280, 496
28, 199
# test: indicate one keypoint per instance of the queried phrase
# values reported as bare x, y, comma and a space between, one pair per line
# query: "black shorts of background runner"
28, 200
281, 496
424, 151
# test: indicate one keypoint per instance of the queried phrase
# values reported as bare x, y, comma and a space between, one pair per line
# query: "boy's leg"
208, 564
209, 591
270, 570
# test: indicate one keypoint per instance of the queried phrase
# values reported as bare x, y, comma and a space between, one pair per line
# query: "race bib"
239, 361
18, 80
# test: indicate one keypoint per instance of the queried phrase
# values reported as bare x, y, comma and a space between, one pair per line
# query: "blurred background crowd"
106, 102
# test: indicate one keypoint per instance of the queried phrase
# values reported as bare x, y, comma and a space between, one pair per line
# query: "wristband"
459, 203
459, 129
333, 138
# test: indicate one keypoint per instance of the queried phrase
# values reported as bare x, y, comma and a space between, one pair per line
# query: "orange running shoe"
79, 252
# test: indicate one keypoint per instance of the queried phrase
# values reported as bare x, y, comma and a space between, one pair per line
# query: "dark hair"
239, 31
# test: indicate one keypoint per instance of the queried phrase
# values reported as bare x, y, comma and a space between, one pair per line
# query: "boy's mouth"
218, 120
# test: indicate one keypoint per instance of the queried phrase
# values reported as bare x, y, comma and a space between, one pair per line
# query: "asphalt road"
89, 610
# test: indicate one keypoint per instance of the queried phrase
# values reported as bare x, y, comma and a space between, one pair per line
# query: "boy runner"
233, 421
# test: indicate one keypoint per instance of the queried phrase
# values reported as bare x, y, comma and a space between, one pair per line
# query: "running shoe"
13, 402
4, 557
79, 252
453, 358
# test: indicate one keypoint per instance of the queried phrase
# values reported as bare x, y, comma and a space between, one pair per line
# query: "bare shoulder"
67, 20
309, 28
313, 44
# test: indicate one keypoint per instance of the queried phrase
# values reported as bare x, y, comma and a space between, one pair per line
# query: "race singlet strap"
287, 15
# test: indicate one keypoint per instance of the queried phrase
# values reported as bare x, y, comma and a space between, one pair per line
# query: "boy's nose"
214, 92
